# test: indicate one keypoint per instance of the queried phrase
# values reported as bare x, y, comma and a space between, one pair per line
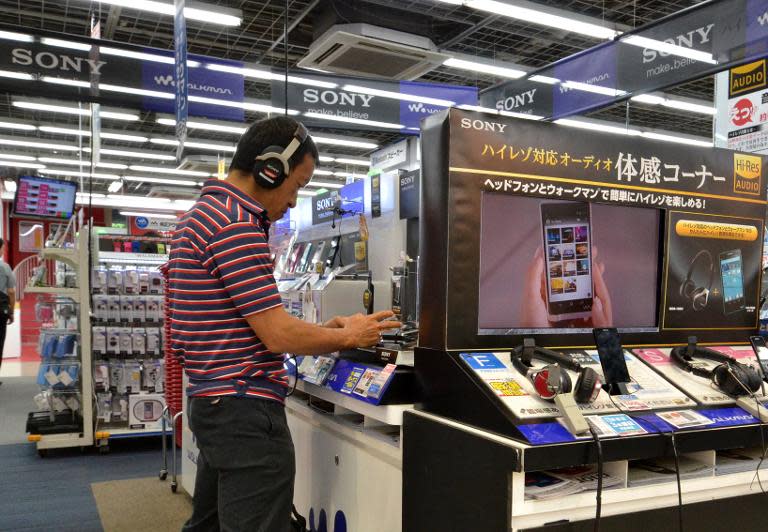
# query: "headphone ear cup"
687, 288
699, 298
547, 390
566, 385
586, 386
729, 379
270, 171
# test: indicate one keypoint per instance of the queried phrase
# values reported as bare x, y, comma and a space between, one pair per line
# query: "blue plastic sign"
482, 361
181, 76
142, 222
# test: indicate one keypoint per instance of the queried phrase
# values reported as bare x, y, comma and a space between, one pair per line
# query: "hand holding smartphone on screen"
567, 238
611, 353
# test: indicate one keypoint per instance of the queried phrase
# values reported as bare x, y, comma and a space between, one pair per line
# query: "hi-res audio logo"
747, 174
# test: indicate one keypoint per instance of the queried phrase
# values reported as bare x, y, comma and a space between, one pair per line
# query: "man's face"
286, 195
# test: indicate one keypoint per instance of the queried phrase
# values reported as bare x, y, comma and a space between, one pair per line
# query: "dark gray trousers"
245, 468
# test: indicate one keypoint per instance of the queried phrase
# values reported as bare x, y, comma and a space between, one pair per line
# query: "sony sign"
51, 61
516, 101
684, 40
341, 98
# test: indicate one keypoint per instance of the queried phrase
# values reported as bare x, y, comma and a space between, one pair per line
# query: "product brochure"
739, 460
659, 470
543, 485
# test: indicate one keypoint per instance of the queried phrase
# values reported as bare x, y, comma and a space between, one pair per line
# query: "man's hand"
10, 318
337, 322
365, 331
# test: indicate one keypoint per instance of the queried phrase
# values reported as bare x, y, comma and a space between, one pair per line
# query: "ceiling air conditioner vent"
370, 51
173, 192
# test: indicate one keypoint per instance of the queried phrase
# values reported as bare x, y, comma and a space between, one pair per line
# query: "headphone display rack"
461, 417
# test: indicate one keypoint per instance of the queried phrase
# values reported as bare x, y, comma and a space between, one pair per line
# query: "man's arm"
11, 303
283, 333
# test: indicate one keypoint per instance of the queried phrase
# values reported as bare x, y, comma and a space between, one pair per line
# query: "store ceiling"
451, 28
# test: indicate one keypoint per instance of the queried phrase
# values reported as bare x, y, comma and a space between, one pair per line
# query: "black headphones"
551, 380
730, 376
699, 295
271, 167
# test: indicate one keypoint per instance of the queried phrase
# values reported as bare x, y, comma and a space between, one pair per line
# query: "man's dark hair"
276, 131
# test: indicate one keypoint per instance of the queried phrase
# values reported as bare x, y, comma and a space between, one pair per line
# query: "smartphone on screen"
611, 354
733, 281
304, 258
567, 235
761, 352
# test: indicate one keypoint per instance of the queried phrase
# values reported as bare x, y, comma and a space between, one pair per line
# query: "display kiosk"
531, 234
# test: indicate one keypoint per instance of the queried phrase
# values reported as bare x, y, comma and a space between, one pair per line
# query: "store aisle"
16, 395
56, 492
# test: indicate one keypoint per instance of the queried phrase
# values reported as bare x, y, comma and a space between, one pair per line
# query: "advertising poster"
713, 276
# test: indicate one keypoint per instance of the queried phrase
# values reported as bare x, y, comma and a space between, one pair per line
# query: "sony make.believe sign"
699, 41
38, 60
338, 102
350, 198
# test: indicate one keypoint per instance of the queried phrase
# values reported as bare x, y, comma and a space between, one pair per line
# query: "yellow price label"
507, 388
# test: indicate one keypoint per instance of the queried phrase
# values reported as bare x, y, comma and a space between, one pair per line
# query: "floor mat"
16, 402
141, 504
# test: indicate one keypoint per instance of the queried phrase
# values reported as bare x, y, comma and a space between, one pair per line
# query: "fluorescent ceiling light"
87, 133
165, 59
676, 139
205, 126
152, 200
37, 106
544, 79
14, 157
136, 91
13, 36
149, 215
115, 186
75, 162
40, 145
307, 193
353, 162
346, 119
66, 81
9, 185
604, 128
249, 106
164, 170
597, 89
524, 116
160, 180
325, 159
474, 66
398, 95
652, 99
135, 154
193, 144
349, 174
669, 48
344, 142
59, 43
322, 172
16, 75
269, 75
86, 195
22, 164
536, 16
324, 184
16, 125
211, 16
74, 173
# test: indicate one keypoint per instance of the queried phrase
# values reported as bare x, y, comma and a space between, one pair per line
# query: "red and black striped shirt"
220, 272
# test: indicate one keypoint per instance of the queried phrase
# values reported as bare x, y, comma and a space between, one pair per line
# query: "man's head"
279, 132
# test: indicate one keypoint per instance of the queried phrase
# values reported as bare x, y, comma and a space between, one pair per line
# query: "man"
7, 298
229, 326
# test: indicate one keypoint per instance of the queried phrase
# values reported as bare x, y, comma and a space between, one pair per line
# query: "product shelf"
71, 293
387, 414
114, 257
66, 255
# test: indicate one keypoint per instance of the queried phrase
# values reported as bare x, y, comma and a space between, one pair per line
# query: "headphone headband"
272, 166
684, 355
692, 266
546, 355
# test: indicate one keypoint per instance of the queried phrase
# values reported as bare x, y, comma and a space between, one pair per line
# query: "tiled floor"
17, 368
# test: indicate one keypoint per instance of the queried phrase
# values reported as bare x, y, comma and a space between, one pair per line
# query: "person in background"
229, 326
7, 298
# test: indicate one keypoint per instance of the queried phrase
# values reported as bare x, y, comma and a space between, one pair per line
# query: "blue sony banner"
180, 75
333, 205
411, 113
206, 87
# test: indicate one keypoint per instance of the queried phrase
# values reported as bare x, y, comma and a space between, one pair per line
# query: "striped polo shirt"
220, 272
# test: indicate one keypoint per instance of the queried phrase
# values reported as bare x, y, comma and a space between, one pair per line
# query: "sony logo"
516, 100
684, 40
51, 61
406, 180
482, 125
330, 97
325, 204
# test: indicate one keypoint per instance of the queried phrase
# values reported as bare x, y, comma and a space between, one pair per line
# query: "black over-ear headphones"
698, 295
551, 380
272, 166
730, 376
